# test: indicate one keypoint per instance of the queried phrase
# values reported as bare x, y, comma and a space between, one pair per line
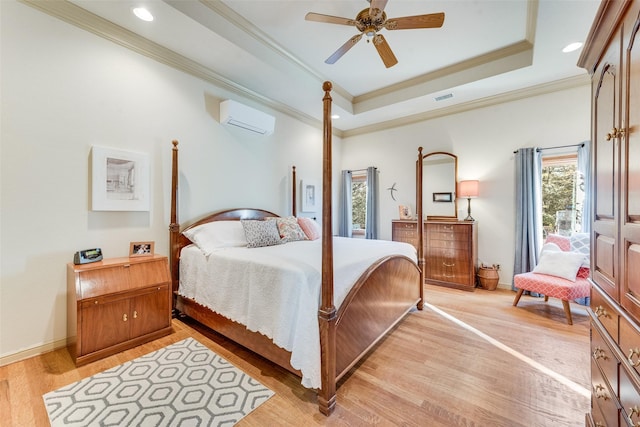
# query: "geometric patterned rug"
184, 384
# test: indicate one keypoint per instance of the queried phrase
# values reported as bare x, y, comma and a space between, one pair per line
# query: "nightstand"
116, 304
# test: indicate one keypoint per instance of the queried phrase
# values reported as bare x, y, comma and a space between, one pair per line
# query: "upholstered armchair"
562, 271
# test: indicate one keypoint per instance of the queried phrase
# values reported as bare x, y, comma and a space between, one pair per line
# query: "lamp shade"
468, 189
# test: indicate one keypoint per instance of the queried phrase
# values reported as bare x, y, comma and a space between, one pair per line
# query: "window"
562, 195
358, 203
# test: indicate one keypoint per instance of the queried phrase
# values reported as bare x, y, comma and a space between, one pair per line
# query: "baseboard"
35, 351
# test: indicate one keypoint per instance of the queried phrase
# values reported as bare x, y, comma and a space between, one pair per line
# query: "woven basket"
488, 278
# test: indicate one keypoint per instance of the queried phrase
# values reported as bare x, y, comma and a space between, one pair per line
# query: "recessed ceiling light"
143, 14
571, 47
335, 116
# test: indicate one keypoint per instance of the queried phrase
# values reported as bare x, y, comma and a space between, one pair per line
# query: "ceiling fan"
370, 21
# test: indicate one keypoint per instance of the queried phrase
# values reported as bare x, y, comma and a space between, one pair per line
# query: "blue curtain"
371, 221
345, 220
528, 210
584, 169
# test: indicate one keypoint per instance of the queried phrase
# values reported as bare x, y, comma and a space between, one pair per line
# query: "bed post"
327, 313
420, 227
293, 192
174, 226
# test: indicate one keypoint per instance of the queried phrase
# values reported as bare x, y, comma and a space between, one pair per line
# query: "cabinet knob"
135, 314
124, 317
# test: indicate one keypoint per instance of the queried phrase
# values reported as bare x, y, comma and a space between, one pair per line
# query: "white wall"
484, 141
64, 90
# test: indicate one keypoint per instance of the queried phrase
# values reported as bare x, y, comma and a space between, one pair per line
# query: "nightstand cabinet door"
116, 304
103, 324
149, 311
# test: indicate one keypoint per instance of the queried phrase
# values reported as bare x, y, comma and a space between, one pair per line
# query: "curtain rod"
559, 146
360, 170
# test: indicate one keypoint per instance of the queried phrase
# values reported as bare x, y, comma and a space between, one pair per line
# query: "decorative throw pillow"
580, 242
215, 235
261, 233
310, 228
560, 264
289, 229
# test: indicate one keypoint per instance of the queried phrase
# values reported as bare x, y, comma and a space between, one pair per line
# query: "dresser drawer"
630, 344
405, 226
604, 358
605, 313
602, 397
629, 399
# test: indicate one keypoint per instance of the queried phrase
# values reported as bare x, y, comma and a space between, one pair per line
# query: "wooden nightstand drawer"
630, 344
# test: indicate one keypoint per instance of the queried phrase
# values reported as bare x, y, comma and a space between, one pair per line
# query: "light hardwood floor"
467, 359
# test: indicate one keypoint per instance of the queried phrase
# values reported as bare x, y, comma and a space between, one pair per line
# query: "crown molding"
541, 89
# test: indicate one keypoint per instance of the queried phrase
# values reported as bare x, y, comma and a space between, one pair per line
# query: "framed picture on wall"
443, 197
309, 196
119, 180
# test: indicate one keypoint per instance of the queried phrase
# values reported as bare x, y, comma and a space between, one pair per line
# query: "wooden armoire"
612, 57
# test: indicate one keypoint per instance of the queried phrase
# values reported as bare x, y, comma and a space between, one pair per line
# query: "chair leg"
567, 311
546, 298
518, 295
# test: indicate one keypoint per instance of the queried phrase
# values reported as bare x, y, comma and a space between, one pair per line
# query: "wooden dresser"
612, 57
450, 250
116, 304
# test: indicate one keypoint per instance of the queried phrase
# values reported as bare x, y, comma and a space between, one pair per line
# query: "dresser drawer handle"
634, 411
601, 311
599, 353
448, 265
600, 424
124, 317
448, 227
601, 392
634, 352
135, 314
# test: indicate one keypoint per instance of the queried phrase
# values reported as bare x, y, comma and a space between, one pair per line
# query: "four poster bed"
349, 314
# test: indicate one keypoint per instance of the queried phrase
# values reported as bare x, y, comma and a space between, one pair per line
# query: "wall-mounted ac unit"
239, 115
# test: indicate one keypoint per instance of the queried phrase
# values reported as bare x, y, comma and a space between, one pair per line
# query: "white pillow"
217, 234
560, 264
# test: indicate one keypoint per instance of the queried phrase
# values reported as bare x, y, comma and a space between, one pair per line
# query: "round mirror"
439, 178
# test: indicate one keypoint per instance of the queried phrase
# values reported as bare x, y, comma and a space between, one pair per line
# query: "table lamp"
468, 190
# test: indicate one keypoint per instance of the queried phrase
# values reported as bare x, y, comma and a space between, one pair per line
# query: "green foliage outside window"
359, 203
559, 194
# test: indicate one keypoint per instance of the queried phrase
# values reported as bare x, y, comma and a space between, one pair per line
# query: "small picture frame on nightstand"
404, 212
141, 249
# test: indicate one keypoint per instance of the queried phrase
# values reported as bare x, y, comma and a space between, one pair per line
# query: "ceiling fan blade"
384, 51
343, 49
377, 7
432, 20
318, 17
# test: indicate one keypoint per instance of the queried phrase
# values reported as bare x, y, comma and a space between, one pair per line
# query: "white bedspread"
275, 290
